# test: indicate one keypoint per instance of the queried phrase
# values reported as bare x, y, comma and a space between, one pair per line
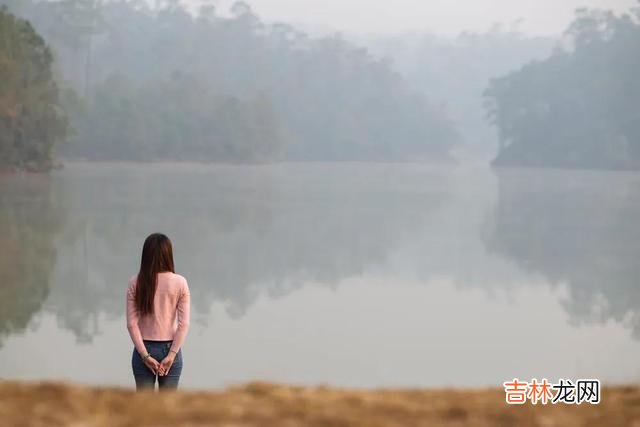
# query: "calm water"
346, 274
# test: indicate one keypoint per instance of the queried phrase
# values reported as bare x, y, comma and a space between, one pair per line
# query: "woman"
158, 305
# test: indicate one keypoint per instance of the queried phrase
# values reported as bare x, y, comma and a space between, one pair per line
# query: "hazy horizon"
360, 194
439, 17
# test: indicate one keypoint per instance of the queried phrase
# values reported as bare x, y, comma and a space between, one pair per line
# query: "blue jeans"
145, 378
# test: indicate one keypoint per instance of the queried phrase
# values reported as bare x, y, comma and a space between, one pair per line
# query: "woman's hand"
166, 363
152, 364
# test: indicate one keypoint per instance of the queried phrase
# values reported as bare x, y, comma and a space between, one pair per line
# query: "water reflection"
239, 232
578, 228
30, 218
71, 241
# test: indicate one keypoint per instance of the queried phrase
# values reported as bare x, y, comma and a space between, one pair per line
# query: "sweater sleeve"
132, 319
183, 314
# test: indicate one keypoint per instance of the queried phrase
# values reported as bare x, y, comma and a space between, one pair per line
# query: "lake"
349, 274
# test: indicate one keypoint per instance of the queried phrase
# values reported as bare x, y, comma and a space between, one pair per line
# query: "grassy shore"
265, 405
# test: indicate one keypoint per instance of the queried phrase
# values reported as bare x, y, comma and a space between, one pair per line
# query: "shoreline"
264, 404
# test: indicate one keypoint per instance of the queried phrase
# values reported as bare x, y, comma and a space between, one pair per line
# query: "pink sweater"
170, 318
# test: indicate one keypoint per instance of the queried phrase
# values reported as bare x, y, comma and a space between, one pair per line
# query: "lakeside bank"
265, 405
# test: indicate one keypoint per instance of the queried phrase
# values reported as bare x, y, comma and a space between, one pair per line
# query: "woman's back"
170, 307
158, 302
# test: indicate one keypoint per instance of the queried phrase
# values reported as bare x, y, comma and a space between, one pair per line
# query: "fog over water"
442, 17
360, 193
352, 274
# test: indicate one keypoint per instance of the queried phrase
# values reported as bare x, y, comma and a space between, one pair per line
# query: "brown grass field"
261, 404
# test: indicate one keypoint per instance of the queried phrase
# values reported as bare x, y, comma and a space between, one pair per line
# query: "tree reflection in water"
578, 228
240, 232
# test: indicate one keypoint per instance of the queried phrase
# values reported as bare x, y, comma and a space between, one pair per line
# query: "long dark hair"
157, 256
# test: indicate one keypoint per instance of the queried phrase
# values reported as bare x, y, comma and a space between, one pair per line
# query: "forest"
31, 119
125, 80
162, 83
580, 107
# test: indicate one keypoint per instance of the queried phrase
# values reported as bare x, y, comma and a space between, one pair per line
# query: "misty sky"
365, 17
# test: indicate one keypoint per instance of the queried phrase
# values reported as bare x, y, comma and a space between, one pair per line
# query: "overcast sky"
447, 17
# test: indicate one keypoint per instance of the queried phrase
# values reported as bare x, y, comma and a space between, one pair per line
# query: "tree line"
141, 82
580, 107
31, 118
123, 80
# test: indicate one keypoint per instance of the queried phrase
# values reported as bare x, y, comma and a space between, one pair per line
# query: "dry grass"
260, 404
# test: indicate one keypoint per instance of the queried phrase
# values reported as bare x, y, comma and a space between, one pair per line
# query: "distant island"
580, 108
